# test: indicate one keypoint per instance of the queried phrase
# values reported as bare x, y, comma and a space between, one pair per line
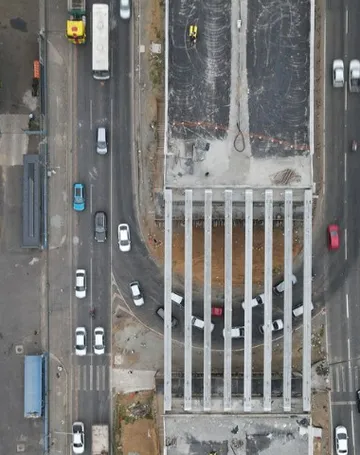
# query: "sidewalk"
59, 254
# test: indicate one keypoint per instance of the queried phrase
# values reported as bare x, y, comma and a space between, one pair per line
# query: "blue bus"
33, 386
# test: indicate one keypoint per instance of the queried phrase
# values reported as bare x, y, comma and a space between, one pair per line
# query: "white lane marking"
91, 289
337, 375
98, 377
345, 167
347, 305
91, 198
353, 439
343, 403
91, 376
343, 378
91, 115
346, 249
346, 99
84, 377
103, 379
346, 21
112, 62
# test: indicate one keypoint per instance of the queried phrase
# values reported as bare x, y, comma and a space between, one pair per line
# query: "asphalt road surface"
342, 183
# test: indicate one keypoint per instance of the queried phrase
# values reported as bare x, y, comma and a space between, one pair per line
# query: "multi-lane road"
342, 189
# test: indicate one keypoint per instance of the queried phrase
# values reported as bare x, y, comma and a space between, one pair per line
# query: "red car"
216, 311
333, 236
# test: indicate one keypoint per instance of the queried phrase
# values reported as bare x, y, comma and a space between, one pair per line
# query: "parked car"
124, 237
161, 313
338, 73
78, 437
200, 324
341, 440
80, 283
236, 332
275, 326
258, 300
100, 227
280, 288
136, 293
79, 197
125, 9
80, 341
333, 237
99, 341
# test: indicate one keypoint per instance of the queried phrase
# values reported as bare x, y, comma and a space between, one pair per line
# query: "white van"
101, 143
200, 324
176, 298
280, 288
299, 310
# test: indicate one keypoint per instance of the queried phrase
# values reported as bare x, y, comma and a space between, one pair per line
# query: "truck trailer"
76, 23
100, 440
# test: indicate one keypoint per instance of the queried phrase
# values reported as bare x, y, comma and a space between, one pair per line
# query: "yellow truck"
76, 23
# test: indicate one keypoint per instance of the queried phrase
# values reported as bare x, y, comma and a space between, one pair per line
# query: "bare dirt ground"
218, 255
135, 424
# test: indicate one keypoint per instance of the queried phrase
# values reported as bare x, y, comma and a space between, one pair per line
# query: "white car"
80, 284
236, 332
125, 9
136, 293
341, 440
275, 327
78, 438
80, 341
338, 73
124, 237
258, 300
99, 341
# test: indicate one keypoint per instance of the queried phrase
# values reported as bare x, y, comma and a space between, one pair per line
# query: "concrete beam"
207, 299
167, 301
188, 302
268, 249
288, 257
228, 300
248, 297
306, 385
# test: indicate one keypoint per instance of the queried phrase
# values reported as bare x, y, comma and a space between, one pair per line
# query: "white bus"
100, 41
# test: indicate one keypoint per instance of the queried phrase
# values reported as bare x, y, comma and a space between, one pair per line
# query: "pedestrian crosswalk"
345, 377
91, 378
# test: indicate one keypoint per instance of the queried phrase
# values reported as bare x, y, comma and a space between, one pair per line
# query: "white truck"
354, 76
100, 440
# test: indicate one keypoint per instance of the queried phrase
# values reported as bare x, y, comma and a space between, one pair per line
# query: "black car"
161, 313
100, 227
358, 399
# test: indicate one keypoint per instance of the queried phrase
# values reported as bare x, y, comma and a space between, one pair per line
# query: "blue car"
79, 197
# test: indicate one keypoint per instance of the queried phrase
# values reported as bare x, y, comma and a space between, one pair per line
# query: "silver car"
125, 9
338, 73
